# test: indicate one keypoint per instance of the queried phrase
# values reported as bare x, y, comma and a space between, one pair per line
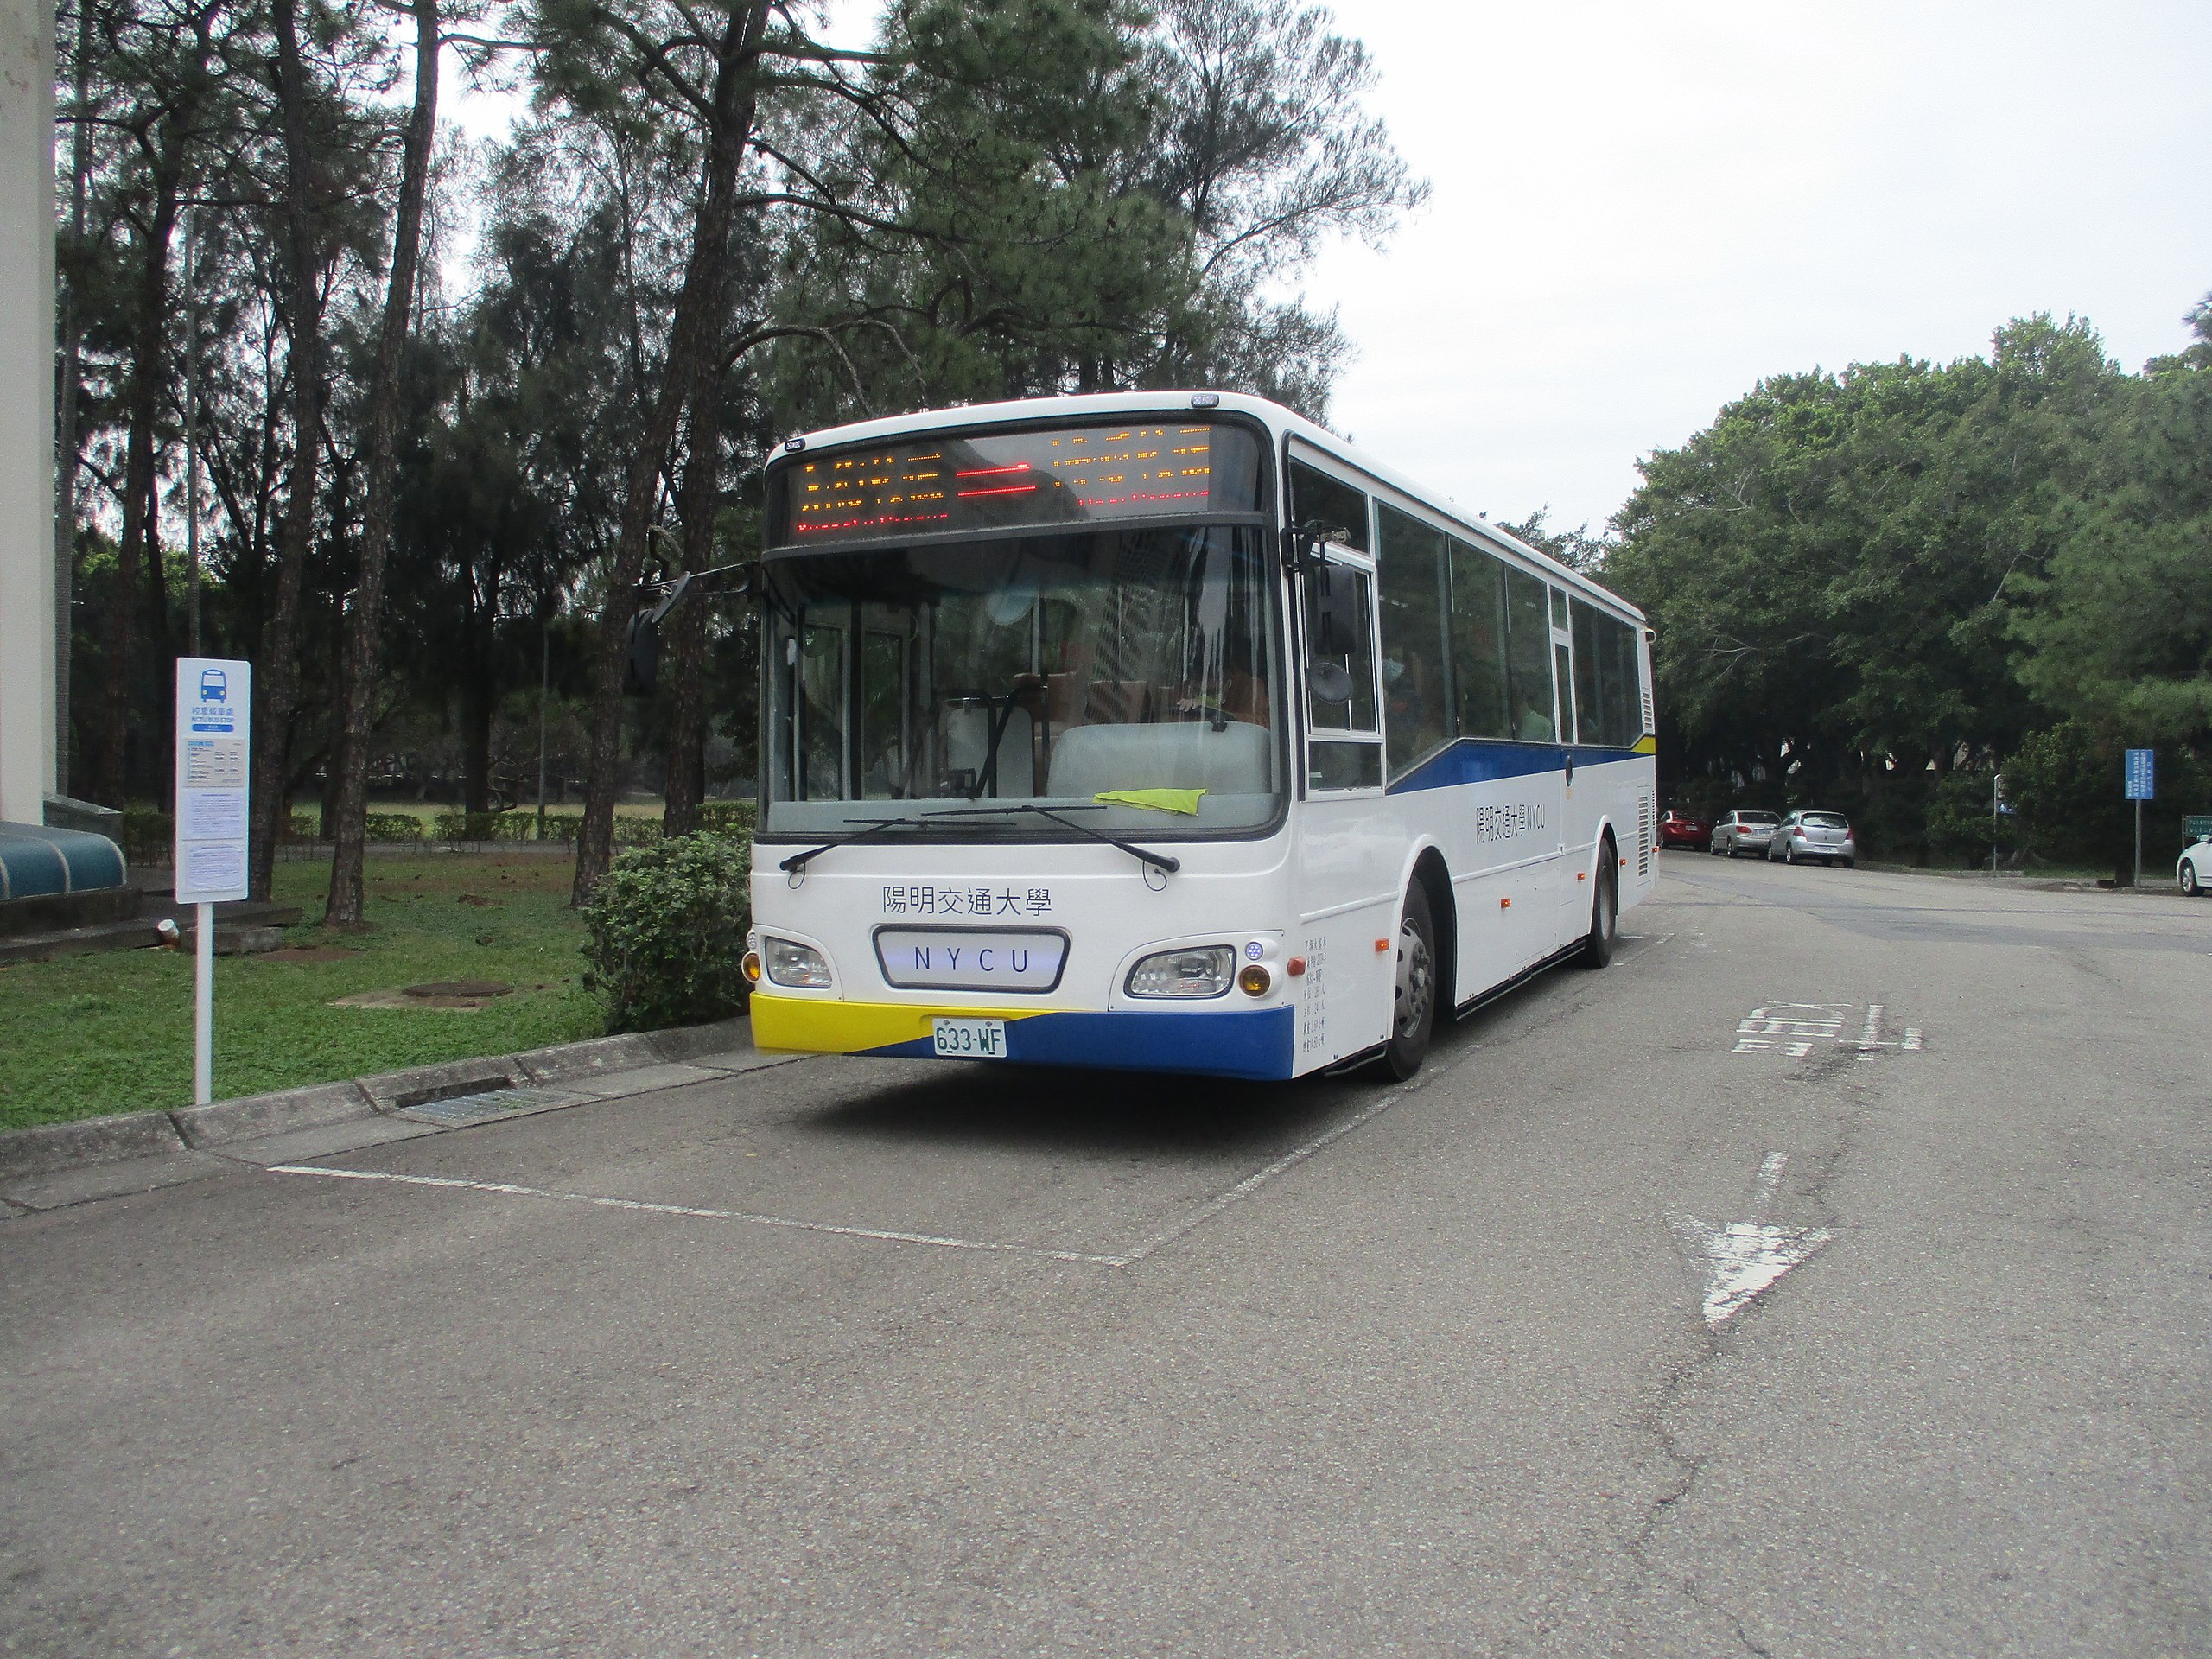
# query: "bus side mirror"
1329, 682
643, 669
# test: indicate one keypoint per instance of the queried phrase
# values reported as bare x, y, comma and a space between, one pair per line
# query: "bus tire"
1605, 912
1413, 1003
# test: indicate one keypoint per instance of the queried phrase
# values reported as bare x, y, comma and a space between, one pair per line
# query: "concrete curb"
52, 1148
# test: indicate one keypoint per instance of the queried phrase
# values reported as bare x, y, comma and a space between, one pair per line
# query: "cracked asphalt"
1323, 1370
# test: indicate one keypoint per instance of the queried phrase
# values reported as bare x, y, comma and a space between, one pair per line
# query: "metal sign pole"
203, 1006
214, 753
2139, 841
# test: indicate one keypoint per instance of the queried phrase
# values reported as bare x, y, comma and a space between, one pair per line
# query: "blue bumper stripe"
1229, 1044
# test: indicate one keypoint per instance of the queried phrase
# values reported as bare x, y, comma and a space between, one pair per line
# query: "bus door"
1347, 852
1577, 817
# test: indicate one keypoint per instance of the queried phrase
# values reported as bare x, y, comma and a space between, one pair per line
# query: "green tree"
2119, 633
1833, 567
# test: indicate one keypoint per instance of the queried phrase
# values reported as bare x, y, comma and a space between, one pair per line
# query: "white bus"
1164, 732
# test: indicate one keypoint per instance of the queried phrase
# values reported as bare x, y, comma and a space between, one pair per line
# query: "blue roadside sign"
2140, 776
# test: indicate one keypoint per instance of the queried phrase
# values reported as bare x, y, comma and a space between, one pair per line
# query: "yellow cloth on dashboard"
1185, 801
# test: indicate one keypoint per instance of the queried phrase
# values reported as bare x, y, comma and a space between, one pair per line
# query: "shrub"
148, 835
664, 936
727, 817
393, 826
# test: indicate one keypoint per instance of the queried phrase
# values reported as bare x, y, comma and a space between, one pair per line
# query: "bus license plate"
969, 1040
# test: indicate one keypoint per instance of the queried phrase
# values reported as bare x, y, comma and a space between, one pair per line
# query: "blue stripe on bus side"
1483, 761
1229, 1043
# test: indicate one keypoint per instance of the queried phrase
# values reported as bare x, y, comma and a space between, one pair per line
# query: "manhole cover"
461, 987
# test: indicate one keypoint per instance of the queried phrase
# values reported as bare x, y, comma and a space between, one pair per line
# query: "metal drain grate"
476, 1109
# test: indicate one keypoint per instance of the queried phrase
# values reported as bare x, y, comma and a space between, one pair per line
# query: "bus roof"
1282, 421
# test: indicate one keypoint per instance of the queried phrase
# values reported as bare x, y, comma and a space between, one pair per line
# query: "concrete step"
243, 928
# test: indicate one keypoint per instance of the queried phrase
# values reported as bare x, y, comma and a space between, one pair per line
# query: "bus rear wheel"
1413, 1019
1605, 911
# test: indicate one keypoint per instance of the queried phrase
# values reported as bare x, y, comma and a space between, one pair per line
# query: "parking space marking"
1151, 1245
1259, 1178
881, 1234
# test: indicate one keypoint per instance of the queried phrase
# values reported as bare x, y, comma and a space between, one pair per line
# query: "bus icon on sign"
214, 686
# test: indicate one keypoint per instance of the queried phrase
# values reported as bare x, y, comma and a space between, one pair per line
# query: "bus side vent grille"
1643, 835
1647, 713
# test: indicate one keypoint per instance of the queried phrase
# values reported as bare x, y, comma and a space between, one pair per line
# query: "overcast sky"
1642, 209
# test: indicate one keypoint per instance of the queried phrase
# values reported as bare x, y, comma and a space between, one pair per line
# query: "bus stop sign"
2140, 776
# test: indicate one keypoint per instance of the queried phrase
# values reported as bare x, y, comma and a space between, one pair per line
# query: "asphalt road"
1102, 1366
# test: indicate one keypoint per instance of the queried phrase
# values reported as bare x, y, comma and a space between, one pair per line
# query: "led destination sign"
1067, 475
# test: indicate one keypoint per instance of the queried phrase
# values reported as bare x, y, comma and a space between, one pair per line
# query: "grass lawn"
113, 1032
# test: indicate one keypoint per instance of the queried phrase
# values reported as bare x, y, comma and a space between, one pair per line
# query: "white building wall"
27, 343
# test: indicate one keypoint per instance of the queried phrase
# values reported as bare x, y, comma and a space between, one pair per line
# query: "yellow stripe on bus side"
806, 1024
1647, 745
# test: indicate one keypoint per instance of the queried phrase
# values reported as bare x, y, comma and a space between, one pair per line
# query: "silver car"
1743, 831
1824, 835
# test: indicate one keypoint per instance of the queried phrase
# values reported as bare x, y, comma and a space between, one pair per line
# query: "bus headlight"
792, 963
1200, 970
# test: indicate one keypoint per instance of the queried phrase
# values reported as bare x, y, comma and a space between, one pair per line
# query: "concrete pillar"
26, 345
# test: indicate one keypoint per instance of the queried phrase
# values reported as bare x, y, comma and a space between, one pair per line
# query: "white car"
2194, 871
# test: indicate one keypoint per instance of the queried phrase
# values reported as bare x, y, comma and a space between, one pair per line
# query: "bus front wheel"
1414, 1003
1605, 911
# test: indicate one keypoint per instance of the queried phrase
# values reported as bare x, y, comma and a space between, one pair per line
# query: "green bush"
393, 826
559, 826
665, 935
727, 817
148, 835
1961, 826
303, 826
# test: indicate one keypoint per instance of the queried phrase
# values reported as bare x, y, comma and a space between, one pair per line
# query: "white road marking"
1259, 1178
884, 1235
1157, 1241
1737, 1261
1794, 1030
1767, 1184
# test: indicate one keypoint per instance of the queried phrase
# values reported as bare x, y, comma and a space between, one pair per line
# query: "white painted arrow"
1736, 1260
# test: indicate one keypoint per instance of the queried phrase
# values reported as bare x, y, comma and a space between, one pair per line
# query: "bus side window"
1528, 657
1337, 633
1590, 666
1479, 642
1416, 657
821, 708
1608, 685
1315, 498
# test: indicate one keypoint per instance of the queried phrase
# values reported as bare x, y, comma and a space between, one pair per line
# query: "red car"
1680, 830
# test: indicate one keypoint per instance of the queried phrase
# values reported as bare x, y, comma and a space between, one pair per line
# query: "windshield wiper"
1164, 863
798, 862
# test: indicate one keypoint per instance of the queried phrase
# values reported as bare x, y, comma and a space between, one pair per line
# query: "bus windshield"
1128, 677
